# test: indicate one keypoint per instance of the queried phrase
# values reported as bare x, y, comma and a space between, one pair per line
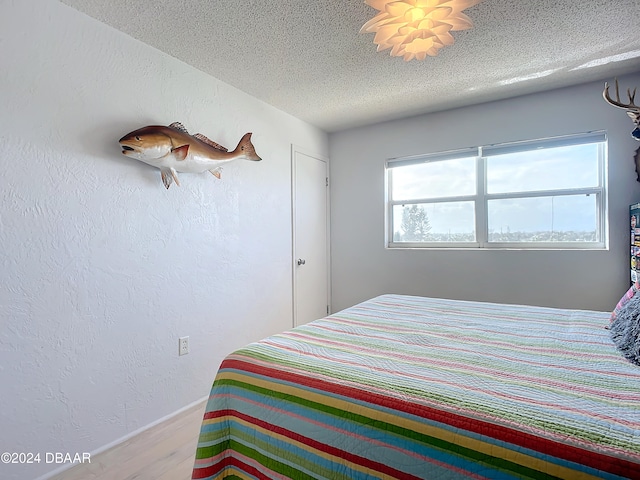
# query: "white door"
310, 237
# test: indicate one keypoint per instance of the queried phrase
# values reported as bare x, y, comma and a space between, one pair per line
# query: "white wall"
101, 268
362, 267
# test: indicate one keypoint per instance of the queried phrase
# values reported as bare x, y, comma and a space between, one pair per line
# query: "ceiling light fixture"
416, 28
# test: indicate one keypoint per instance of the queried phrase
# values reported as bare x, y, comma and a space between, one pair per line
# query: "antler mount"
632, 109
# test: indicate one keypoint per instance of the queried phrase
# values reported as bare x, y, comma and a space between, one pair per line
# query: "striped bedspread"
421, 388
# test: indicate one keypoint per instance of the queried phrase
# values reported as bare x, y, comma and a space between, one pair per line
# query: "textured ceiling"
307, 57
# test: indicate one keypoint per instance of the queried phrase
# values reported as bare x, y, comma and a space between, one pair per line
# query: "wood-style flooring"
163, 452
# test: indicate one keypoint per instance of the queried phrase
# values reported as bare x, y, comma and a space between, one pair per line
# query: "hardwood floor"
164, 452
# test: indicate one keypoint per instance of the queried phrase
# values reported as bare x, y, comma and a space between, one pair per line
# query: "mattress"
422, 388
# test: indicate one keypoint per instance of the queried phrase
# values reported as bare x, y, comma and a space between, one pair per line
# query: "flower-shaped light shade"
416, 28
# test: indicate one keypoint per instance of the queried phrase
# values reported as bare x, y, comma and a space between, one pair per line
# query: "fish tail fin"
246, 148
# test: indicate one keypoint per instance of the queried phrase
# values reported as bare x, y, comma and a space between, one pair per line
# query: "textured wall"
362, 267
101, 268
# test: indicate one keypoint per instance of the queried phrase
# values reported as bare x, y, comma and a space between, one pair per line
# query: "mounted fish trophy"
633, 111
172, 150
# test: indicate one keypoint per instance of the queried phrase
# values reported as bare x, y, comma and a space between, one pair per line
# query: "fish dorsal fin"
178, 126
211, 143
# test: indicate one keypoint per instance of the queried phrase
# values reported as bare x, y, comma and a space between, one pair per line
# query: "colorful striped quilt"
421, 388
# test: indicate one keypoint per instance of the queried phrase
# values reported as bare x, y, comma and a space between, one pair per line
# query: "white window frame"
481, 197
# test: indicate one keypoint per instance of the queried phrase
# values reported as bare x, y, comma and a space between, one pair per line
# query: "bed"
409, 387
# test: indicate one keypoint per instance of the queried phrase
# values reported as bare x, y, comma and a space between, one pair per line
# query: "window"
536, 194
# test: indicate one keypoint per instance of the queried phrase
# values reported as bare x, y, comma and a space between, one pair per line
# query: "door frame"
295, 149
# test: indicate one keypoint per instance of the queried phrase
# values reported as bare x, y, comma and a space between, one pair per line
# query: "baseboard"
123, 439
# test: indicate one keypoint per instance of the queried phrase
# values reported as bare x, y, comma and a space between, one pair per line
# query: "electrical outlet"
183, 345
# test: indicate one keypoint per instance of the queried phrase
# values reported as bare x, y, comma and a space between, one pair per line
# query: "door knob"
301, 261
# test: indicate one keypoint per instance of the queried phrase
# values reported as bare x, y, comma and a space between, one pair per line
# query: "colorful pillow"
625, 330
625, 299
